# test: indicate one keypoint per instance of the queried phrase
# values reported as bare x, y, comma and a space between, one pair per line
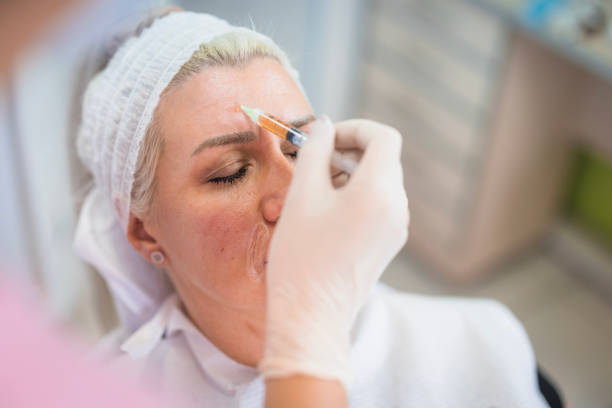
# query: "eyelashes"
242, 172
231, 179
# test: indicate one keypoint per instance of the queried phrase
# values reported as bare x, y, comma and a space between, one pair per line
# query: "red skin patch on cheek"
225, 225
215, 230
226, 234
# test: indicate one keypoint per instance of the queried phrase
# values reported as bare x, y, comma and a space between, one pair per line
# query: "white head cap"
117, 108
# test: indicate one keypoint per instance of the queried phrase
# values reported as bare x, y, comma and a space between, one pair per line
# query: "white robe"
408, 351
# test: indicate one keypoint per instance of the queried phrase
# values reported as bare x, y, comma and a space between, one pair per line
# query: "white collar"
225, 373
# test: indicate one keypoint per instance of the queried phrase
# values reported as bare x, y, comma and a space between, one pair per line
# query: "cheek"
213, 239
224, 233
220, 263
208, 252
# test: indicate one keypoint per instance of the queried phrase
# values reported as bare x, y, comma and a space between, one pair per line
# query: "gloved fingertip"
321, 126
321, 139
312, 167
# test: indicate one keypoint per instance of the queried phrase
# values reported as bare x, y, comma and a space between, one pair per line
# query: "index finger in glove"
312, 167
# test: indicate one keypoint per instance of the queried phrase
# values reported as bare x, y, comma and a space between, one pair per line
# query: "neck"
237, 333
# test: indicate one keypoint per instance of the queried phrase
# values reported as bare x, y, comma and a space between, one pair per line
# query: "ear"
142, 240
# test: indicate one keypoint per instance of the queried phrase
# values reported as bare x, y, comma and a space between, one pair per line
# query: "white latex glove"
329, 248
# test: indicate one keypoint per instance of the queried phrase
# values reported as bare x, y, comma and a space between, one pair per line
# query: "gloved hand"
329, 248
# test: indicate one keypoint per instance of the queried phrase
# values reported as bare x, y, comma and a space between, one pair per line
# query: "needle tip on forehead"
253, 114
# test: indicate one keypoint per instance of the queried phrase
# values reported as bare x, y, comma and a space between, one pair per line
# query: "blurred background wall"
505, 107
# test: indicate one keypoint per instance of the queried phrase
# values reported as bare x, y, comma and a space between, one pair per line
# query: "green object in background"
590, 201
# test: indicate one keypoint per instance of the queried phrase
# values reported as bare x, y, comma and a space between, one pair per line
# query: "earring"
157, 257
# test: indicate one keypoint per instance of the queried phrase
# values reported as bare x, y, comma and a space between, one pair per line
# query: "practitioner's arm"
300, 391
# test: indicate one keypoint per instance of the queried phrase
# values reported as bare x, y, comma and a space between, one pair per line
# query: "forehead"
205, 103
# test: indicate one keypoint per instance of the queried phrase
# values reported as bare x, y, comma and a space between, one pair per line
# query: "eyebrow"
244, 137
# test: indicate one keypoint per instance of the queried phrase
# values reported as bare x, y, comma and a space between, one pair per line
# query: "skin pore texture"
217, 200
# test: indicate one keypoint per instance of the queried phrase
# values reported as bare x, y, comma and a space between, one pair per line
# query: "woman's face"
221, 184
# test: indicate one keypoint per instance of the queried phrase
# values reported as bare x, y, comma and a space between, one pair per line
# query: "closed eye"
232, 178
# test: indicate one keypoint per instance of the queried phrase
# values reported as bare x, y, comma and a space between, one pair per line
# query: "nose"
279, 171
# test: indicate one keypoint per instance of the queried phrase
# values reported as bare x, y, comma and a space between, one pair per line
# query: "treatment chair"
549, 391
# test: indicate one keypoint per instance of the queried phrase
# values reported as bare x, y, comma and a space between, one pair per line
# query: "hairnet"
117, 108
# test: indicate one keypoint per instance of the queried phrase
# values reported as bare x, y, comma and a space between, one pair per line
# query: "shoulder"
481, 328
433, 347
467, 317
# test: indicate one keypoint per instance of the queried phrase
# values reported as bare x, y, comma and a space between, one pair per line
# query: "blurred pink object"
40, 367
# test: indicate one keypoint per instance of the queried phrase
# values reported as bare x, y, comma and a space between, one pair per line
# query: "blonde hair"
234, 49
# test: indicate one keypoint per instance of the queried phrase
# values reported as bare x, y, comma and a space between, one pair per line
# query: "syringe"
294, 136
